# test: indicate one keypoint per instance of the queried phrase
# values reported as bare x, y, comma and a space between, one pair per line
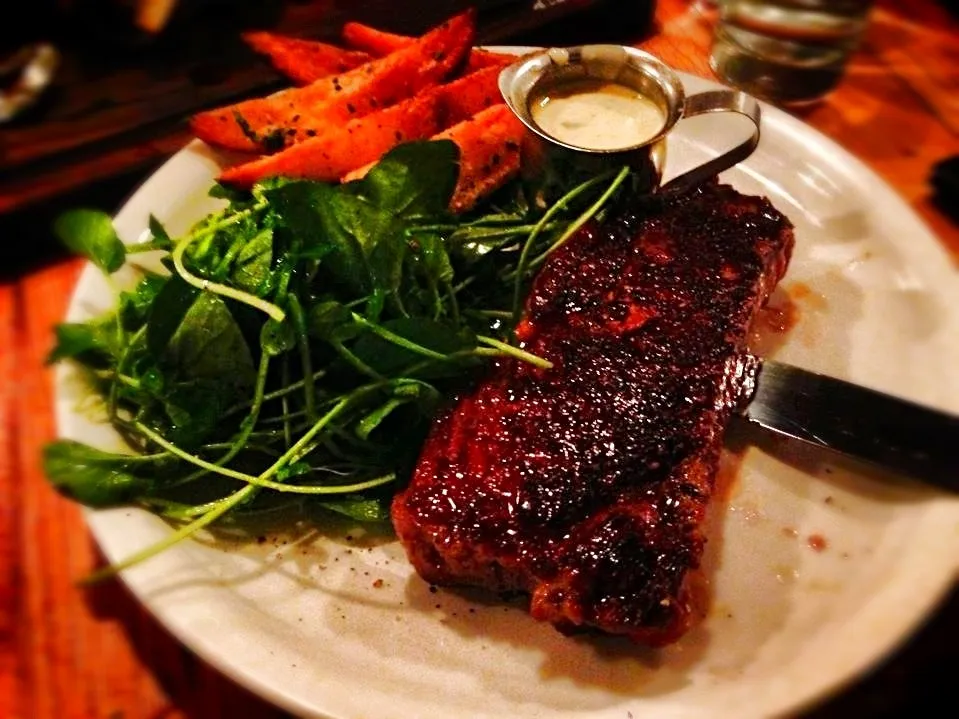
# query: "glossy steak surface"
586, 485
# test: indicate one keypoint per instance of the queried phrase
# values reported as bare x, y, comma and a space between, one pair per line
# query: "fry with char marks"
284, 118
304, 61
586, 485
373, 40
469, 95
341, 148
489, 145
337, 150
378, 43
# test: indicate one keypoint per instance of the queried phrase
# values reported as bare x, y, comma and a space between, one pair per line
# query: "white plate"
331, 626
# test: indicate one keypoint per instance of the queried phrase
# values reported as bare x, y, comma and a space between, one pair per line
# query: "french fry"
271, 123
342, 148
489, 144
378, 43
304, 61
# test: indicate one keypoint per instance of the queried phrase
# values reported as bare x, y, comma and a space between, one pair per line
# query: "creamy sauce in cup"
596, 115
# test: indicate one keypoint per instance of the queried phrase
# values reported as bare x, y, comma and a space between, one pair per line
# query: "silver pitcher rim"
621, 64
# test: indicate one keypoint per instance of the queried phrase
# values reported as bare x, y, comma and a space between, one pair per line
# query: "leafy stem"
355, 361
584, 217
396, 339
149, 246
302, 340
113, 403
327, 318
246, 427
516, 352
559, 206
218, 509
287, 389
262, 481
219, 288
224, 505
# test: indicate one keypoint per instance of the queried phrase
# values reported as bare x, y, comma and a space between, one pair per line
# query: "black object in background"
952, 6
945, 186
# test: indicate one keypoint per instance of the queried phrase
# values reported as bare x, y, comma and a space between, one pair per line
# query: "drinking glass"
787, 51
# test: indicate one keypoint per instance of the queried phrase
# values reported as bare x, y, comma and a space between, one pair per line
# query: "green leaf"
377, 232
270, 183
233, 195
423, 396
209, 345
94, 341
159, 232
375, 304
415, 389
388, 358
415, 179
252, 266
375, 418
90, 233
152, 380
135, 306
308, 210
431, 258
194, 410
293, 470
169, 308
91, 476
333, 322
360, 508
277, 337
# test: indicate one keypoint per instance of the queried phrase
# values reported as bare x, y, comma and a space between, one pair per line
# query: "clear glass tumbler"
787, 51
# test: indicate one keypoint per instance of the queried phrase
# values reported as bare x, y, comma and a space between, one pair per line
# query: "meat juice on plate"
788, 51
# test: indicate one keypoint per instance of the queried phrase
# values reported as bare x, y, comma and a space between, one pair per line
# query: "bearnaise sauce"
596, 114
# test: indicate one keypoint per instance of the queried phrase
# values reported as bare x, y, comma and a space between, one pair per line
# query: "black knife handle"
879, 428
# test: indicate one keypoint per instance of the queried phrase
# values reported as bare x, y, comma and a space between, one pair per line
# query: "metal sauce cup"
544, 156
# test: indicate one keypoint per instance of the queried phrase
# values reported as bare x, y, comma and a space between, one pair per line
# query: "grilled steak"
586, 485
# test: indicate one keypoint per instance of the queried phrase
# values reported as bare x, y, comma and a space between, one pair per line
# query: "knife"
875, 427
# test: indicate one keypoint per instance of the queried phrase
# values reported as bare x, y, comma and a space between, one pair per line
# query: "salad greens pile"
301, 340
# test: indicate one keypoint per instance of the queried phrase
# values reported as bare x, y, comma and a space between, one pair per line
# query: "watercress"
303, 339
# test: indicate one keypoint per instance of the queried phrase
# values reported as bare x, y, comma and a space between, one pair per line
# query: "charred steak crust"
586, 485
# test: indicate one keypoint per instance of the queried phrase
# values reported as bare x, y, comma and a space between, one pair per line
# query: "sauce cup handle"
717, 101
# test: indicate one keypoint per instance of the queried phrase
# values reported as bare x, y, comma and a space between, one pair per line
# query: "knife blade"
875, 427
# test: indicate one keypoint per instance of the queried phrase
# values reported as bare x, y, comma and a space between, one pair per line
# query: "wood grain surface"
72, 653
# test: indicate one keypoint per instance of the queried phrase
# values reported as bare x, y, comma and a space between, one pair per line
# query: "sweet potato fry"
373, 40
271, 123
462, 98
480, 59
304, 61
378, 42
341, 148
338, 149
489, 144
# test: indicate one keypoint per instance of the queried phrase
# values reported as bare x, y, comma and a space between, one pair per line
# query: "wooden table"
71, 653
